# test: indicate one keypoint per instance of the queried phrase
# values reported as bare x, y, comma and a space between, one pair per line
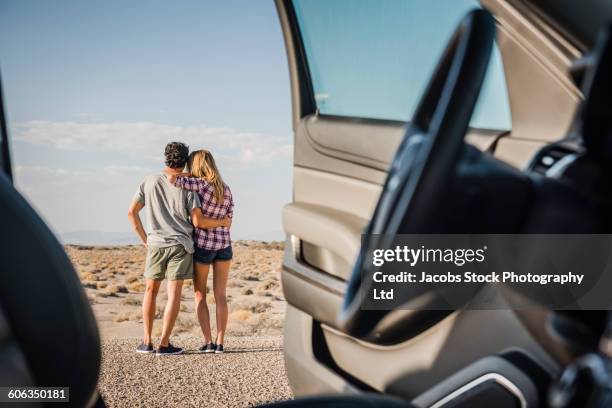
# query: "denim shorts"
208, 256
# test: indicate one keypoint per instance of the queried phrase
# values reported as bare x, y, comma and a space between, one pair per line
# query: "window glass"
373, 59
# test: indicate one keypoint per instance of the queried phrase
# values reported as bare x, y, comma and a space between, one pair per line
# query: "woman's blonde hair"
202, 165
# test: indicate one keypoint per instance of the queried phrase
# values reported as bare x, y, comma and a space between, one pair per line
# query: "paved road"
251, 371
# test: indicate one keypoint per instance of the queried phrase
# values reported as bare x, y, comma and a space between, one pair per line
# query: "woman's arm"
200, 221
187, 182
230, 210
172, 177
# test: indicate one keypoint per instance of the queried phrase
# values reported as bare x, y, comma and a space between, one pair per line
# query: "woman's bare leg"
220, 274
200, 279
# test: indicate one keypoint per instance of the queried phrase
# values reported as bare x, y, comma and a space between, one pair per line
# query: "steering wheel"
426, 157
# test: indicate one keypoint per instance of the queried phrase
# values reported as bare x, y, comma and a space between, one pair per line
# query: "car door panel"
324, 227
409, 368
331, 205
340, 166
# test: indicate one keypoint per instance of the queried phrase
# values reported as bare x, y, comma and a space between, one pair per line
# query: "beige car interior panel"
517, 152
299, 358
337, 231
358, 149
421, 356
367, 143
542, 95
337, 192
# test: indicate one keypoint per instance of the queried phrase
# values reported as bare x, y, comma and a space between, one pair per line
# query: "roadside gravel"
250, 372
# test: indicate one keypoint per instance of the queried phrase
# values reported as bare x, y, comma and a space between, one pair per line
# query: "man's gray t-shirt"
167, 209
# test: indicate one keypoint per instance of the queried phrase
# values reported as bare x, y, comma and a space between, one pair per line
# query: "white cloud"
98, 199
93, 191
146, 140
81, 199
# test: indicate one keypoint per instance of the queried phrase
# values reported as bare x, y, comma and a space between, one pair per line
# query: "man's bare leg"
148, 308
171, 311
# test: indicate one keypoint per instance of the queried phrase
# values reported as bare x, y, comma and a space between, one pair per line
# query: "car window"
373, 59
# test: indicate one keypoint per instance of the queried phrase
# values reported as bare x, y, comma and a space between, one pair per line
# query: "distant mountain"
90, 237
262, 236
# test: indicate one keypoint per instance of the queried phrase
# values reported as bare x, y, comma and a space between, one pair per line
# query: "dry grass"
127, 316
157, 329
132, 279
88, 277
130, 301
240, 315
185, 324
118, 289
254, 305
105, 294
137, 286
254, 292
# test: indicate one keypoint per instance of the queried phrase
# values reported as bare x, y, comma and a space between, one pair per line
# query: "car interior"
440, 173
360, 166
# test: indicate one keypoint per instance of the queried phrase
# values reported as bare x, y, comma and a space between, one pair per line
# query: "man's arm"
134, 217
200, 221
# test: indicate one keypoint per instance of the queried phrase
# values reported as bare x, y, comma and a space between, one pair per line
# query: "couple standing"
175, 203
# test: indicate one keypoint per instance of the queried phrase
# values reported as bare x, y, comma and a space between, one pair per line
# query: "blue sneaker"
208, 348
168, 350
145, 349
219, 349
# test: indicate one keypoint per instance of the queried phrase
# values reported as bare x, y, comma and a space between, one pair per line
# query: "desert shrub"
131, 279
137, 286
130, 301
88, 277
114, 289
185, 324
241, 315
126, 316
254, 305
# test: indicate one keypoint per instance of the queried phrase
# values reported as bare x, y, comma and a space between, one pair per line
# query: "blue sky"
94, 89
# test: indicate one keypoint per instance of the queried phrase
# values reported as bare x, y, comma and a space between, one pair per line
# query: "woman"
213, 246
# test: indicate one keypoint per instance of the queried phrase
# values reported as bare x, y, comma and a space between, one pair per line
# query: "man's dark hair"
176, 154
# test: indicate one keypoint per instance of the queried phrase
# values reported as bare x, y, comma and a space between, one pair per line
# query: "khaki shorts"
172, 263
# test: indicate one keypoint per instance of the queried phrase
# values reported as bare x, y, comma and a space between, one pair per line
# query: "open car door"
356, 74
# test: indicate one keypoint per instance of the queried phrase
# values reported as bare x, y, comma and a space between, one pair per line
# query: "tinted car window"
373, 59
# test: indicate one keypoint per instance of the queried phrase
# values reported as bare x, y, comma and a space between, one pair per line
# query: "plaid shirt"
213, 238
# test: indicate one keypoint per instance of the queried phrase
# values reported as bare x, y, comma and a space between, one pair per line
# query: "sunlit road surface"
251, 371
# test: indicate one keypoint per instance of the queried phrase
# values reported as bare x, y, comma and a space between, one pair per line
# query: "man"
169, 242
